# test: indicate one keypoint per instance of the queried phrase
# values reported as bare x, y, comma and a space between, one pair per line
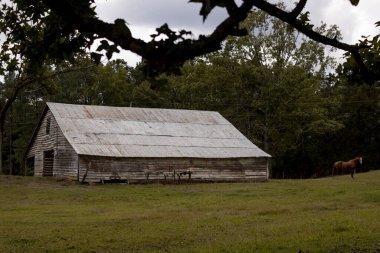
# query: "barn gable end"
49, 152
96, 143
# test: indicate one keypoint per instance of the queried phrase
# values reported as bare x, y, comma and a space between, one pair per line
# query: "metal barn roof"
141, 132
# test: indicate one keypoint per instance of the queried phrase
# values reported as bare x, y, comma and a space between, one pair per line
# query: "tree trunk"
1, 150
10, 142
10, 157
266, 131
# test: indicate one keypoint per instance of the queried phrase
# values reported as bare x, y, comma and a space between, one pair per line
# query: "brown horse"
351, 165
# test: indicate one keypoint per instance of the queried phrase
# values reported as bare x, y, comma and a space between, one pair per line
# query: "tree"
359, 107
269, 84
353, 71
20, 35
15, 82
19, 126
9, 92
44, 29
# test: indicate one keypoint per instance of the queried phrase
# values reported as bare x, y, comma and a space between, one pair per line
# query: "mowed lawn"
315, 215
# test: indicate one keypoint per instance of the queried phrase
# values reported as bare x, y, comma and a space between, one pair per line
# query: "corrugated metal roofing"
142, 132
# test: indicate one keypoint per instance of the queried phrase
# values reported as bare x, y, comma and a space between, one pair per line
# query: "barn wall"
65, 161
95, 169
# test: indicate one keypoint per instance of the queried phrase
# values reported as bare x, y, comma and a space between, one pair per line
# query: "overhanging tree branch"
21, 83
291, 19
169, 54
298, 9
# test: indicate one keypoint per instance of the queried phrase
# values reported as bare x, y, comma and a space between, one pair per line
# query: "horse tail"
336, 167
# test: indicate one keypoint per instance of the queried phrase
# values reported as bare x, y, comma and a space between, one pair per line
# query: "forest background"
285, 92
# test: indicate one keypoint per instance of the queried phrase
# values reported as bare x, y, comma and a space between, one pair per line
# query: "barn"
100, 143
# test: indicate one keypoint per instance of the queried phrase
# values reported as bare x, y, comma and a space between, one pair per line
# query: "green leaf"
96, 57
208, 6
354, 2
304, 17
104, 45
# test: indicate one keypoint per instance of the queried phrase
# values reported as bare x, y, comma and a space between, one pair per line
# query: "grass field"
315, 215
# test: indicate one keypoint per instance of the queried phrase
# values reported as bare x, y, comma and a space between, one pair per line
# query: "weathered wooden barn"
99, 143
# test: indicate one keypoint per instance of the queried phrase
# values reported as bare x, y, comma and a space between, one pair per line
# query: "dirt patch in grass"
31, 181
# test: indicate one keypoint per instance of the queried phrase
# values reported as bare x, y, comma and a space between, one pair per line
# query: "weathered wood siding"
65, 162
95, 169
142, 145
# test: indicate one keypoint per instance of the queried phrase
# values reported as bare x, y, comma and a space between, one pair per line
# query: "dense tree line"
276, 86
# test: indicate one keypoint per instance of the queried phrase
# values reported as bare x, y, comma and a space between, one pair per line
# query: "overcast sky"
144, 16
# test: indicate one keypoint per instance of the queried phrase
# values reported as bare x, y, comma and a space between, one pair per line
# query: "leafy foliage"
352, 70
41, 30
35, 35
269, 84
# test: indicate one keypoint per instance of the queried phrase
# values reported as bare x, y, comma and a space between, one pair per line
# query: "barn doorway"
48, 163
29, 166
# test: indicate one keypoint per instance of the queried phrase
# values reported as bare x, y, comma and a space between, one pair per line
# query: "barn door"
29, 166
48, 163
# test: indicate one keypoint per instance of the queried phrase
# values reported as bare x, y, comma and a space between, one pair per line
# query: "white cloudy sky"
144, 16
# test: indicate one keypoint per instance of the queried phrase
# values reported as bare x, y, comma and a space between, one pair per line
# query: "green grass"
317, 215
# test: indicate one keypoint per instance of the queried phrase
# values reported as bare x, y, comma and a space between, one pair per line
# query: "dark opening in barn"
48, 163
29, 169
